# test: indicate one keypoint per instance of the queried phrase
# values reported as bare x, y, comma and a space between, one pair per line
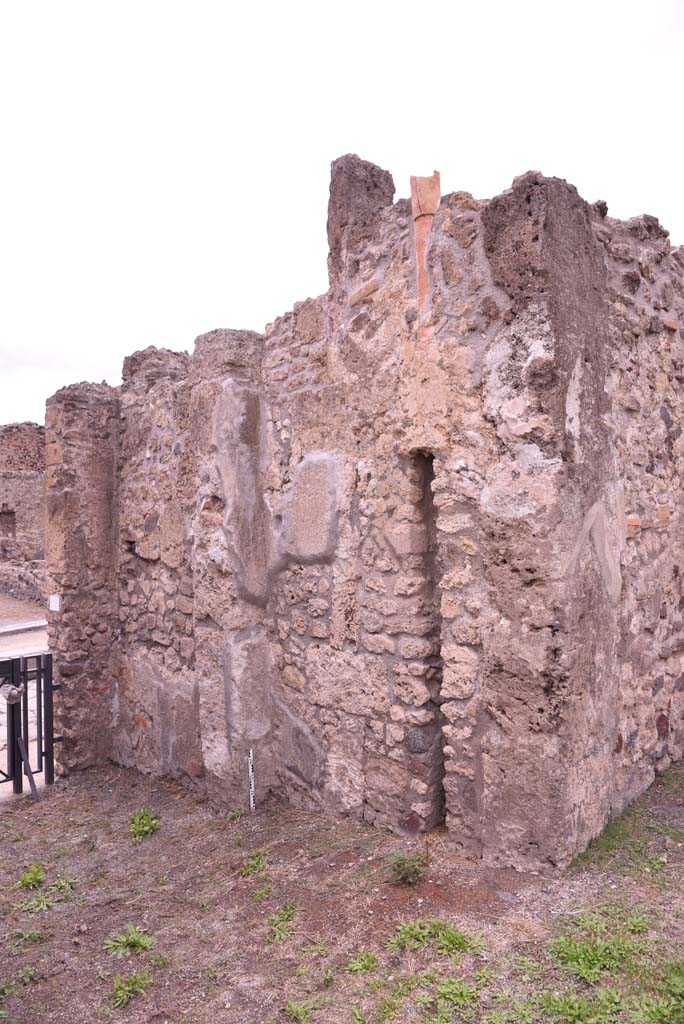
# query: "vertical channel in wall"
429, 606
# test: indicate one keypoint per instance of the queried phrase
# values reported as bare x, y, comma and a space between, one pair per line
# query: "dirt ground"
286, 916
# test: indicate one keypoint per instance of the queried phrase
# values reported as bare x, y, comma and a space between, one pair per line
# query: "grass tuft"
255, 864
363, 962
406, 868
131, 940
127, 988
32, 878
280, 923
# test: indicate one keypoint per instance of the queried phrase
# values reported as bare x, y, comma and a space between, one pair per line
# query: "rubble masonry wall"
22, 511
419, 552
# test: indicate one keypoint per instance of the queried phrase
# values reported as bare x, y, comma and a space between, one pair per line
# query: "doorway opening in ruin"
8, 522
433, 758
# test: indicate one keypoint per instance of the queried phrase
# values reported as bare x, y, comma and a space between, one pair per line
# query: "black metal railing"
27, 687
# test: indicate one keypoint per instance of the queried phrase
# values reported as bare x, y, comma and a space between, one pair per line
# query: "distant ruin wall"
22, 511
419, 553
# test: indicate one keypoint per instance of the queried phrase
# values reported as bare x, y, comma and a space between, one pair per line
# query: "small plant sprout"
299, 1012
131, 940
280, 923
234, 815
456, 992
27, 974
263, 891
28, 935
32, 878
143, 824
450, 941
36, 904
159, 960
447, 940
255, 864
363, 962
410, 935
126, 989
406, 868
65, 885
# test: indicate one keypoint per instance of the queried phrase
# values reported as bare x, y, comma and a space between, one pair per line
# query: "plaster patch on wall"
607, 532
573, 425
238, 435
309, 524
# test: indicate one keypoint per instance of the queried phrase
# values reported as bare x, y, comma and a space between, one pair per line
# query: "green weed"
300, 1012
410, 935
280, 923
32, 878
456, 992
23, 937
159, 960
255, 864
126, 989
363, 962
36, 904
262, 892
65, 885
406, 868
131, 940
316, 949
143, 824
664, 1010
527, 968
601, 1007
386, 1010
27, 974
637, 924
591, 958
447, 940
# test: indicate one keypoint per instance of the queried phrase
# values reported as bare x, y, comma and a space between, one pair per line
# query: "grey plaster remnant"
309, 517
238, 434
607, 539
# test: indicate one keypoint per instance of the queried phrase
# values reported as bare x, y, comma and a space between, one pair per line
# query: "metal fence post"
14, 722
48, 720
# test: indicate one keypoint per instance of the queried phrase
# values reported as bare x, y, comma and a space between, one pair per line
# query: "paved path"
19, 614
21, 645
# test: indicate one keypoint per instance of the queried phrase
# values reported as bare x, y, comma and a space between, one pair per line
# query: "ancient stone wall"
416, 547
22, 511
81, 435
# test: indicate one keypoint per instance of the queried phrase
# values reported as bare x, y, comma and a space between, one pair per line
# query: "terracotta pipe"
425, 197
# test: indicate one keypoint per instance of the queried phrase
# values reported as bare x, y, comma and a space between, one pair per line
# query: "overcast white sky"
165, 165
